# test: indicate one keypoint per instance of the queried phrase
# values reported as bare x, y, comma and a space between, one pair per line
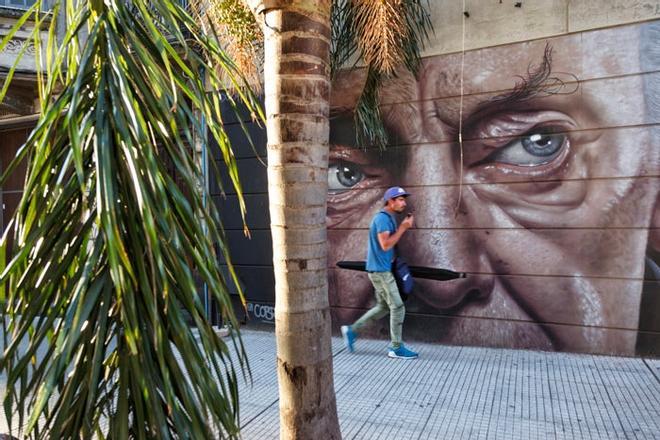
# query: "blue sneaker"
349, 337
401, 353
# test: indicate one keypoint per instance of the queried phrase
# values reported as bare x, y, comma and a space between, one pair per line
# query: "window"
18, 4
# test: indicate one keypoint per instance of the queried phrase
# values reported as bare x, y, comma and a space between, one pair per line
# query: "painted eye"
542, 144
343, 176
533, 149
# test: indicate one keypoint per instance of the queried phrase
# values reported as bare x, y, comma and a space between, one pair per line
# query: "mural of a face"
549, 203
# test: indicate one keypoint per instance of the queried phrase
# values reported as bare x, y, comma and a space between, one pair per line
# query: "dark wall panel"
257, 216
241, 145
253, 172
254, 250
256, 282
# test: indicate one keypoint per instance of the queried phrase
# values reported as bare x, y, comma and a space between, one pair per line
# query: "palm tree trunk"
297, 88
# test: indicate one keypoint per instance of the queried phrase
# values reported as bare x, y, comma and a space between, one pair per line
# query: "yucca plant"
105, 334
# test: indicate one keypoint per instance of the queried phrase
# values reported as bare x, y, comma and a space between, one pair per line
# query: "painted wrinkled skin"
548, 204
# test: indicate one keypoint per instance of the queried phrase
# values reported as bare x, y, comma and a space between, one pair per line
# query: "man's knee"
398, 310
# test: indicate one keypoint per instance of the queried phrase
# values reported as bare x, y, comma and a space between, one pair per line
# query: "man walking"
383, 236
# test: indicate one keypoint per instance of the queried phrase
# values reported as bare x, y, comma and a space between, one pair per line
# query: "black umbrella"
428, 273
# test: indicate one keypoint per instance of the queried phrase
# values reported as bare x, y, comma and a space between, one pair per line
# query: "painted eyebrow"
537, 82
343, 132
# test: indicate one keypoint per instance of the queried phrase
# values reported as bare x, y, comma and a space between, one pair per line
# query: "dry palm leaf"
381, 29
238, 33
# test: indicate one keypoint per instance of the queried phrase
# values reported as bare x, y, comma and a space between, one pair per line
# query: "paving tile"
654, 366
465, 393
480, 393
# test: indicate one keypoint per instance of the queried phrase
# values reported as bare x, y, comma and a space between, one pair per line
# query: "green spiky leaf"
105, 332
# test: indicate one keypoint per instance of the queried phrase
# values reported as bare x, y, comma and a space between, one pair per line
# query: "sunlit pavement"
465, 393
469, 393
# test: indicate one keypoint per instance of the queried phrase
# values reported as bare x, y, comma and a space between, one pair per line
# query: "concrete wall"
495, 22
549, 203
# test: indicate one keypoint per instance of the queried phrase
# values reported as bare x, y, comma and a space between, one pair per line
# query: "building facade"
530, 144
19, 108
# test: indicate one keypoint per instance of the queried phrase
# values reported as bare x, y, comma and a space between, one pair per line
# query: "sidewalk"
468, 393
464, 393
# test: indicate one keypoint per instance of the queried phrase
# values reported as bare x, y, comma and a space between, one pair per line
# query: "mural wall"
536, 171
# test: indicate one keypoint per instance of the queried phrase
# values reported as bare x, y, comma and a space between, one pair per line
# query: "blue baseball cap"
395, 191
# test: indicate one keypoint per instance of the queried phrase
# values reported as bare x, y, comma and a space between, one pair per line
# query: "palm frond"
380, 27
369, 127
388, 34
343, 44
235, 27
113, 236
418, 23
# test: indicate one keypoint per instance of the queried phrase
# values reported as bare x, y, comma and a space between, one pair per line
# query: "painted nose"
446, 233
447, 247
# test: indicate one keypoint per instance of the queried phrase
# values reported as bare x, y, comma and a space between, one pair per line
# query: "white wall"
495, 22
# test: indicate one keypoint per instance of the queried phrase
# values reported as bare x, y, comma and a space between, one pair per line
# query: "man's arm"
387, 241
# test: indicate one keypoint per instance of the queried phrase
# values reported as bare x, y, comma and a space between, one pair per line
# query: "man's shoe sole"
406, 358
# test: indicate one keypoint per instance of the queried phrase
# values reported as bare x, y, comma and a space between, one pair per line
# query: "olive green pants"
389, 301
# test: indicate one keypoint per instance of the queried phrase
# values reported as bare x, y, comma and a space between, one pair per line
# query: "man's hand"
407, 223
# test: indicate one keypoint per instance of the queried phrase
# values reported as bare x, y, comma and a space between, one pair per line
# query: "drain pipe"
205, 192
